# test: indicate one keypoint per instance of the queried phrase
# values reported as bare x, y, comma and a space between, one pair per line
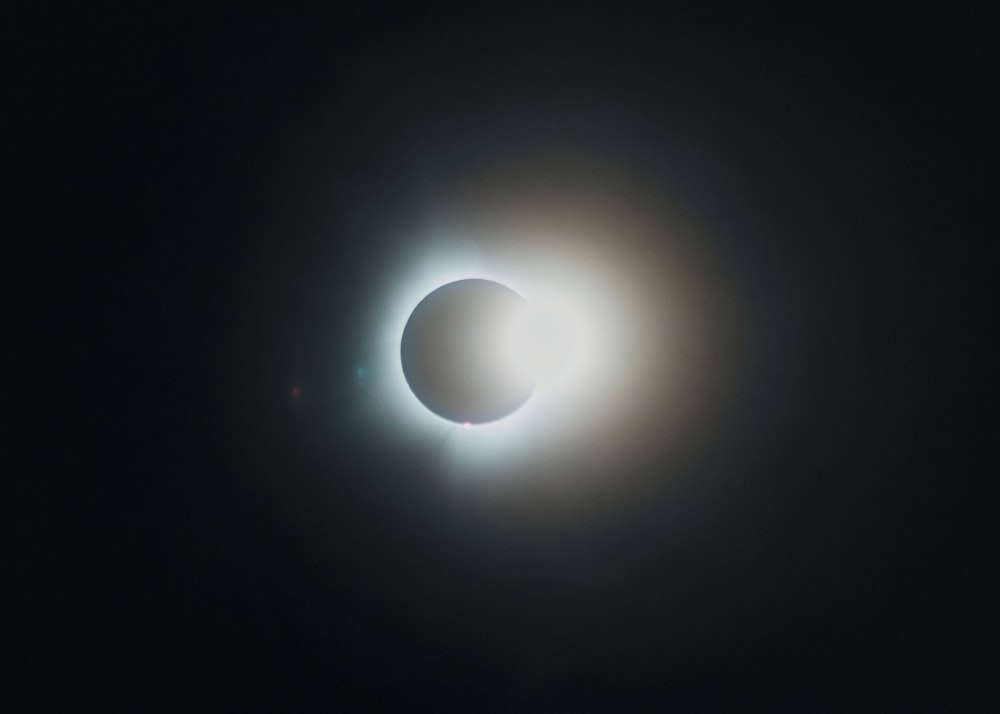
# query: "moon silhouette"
456, 352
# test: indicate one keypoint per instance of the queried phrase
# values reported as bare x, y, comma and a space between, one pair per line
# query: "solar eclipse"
458, 352
550, 329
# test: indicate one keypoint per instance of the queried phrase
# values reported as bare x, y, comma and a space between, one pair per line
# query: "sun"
626, 335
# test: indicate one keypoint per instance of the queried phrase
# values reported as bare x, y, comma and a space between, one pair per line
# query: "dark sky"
217, 193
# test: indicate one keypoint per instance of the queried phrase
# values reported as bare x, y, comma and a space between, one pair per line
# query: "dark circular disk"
455, 352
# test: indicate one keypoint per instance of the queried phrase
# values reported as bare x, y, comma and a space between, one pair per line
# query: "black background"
212, 193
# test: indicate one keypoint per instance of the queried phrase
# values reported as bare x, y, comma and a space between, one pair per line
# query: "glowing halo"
653, 325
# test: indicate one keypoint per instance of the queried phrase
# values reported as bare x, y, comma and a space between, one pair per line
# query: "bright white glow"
543, 341
622, 335
571, 338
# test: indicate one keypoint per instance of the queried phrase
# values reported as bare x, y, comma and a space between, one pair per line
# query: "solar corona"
550, 333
